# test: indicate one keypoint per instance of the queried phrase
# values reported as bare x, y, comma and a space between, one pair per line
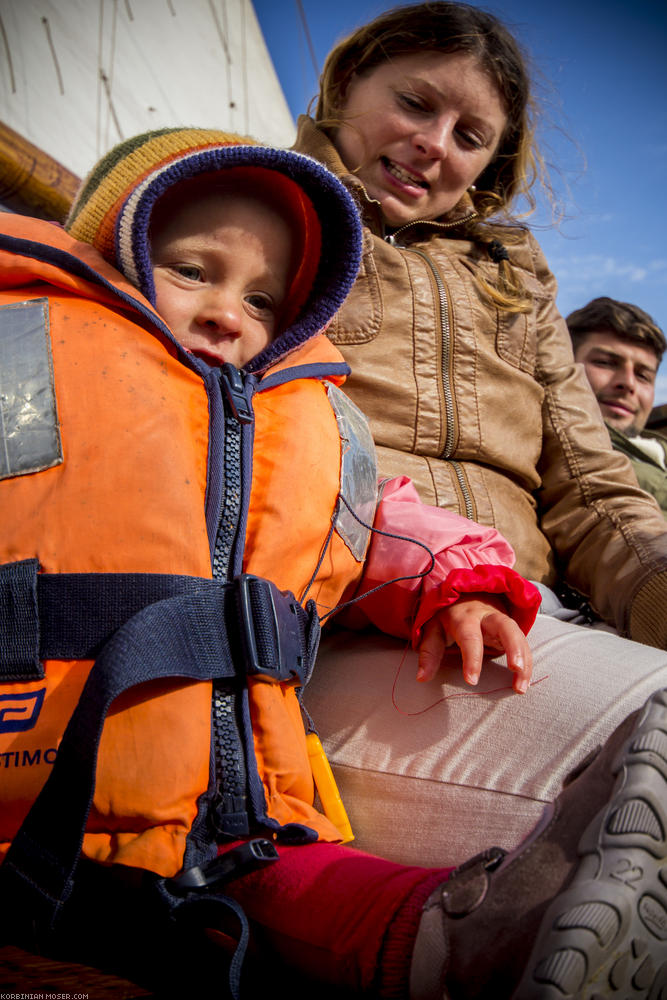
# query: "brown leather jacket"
488, 414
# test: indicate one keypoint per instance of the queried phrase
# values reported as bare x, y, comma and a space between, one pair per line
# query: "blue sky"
602, 82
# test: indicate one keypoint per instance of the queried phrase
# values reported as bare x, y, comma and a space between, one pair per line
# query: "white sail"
77, 76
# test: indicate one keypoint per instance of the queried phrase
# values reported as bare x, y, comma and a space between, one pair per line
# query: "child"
227, 258
246, 254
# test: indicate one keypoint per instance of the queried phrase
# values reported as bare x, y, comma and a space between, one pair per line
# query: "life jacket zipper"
228, 813
237, 412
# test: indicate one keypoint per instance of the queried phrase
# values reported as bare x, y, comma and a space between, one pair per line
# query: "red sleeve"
522, 598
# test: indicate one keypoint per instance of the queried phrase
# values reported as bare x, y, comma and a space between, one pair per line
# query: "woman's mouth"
402, 175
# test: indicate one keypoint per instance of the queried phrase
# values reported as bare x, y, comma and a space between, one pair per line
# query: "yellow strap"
327, 789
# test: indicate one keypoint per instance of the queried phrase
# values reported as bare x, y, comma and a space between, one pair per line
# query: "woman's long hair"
450, 27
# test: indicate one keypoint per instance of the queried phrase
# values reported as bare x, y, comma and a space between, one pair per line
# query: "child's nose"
221, 311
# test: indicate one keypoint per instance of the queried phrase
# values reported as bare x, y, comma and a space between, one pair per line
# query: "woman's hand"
474, 623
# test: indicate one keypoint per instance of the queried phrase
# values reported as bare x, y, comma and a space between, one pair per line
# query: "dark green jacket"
651, 476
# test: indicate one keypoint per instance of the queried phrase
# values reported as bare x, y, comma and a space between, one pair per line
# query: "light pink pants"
431, 774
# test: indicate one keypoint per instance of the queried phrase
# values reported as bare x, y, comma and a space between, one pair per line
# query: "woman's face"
419, 130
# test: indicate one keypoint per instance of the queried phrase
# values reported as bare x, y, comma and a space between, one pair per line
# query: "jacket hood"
114, 206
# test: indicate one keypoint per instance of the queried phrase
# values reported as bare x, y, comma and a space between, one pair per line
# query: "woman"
465, 368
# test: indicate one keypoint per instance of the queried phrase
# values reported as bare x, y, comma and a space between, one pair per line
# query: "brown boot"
579, 910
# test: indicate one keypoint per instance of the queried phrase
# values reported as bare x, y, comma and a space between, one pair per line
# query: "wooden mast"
31, 181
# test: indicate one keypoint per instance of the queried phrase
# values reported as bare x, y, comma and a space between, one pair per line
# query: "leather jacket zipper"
446, 339
391, 237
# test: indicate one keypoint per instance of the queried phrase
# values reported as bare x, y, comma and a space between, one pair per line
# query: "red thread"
456, 694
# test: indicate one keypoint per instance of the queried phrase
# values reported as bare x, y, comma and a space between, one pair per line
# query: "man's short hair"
627, 321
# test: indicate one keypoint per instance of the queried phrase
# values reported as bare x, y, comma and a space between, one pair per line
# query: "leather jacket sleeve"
609, 536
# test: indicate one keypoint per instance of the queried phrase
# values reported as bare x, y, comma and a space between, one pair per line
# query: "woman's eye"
471, 139
412, 102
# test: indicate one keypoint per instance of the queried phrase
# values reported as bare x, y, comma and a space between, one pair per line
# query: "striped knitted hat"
113, 209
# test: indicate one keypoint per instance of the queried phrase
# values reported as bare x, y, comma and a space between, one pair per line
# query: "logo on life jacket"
19, 712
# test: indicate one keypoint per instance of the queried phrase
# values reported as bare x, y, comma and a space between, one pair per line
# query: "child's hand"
472, 623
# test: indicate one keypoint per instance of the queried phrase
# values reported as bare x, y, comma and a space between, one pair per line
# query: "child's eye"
189, 271
260, 301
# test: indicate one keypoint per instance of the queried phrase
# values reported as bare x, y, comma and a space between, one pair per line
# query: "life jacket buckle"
273, 627
238, 861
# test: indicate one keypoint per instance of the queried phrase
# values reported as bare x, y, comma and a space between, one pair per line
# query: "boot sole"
606, 934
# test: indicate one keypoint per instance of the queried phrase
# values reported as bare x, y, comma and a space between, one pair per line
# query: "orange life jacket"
128, 461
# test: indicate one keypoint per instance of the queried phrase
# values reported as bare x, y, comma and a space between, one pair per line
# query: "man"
621, 348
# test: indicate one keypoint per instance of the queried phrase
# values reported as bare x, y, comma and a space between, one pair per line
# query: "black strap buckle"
232, 864
274, 629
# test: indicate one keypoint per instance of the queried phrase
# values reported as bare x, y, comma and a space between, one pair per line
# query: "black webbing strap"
197, 636
183, 637
71, 616
19, 621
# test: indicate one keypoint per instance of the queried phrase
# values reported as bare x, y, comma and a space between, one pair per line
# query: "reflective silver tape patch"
358, 473
29, 432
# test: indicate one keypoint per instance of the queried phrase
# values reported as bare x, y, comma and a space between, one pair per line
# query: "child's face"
221, 266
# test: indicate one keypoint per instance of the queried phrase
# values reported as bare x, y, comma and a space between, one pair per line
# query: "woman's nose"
433, 140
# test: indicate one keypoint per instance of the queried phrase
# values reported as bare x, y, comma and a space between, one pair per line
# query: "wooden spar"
31, 181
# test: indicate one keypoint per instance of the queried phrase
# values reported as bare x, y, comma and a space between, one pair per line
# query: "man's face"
622, 376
